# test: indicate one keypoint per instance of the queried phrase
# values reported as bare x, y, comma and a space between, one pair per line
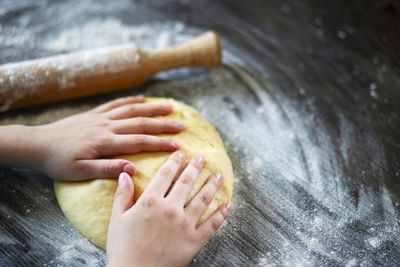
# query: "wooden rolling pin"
97, 71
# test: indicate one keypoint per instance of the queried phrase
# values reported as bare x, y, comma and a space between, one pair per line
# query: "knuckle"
144, 124
186, 179
110, 169
150, 200
176, 159
171, 212
140, 120
216, 223
141, 140
132, 108
165, 171
104, 139
102, 123
197, 165
82, 167
205, 198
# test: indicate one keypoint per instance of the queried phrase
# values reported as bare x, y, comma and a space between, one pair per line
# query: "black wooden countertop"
307, 101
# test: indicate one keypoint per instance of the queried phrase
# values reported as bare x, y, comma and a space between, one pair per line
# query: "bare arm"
75, 148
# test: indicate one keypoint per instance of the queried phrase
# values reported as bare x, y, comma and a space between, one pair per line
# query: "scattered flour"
352, 263
96, 33
110, 31
14, 36
374, 242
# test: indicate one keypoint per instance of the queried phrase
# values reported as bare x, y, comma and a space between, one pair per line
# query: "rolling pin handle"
203, 51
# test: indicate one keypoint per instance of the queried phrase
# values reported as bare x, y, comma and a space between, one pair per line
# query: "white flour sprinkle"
96, 33
111, 31
13, 36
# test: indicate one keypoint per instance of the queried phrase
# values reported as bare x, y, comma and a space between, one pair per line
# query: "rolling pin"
98, 71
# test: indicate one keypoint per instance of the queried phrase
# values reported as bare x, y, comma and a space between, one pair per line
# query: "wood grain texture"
307, 102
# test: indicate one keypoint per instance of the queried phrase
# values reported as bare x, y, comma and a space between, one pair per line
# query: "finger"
184, 185
146, 126
123, 198
117, 103
131, 144
208, 228
138, 110
104, 168
199, 203
165, 175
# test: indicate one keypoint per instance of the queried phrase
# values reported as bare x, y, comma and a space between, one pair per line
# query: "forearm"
19, 146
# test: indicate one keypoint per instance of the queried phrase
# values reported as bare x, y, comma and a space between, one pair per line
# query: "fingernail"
180, 154
199, 158
139, 96
228, 207
176, 144
167, 106
122, 178
179, 125
128, 168
218, 177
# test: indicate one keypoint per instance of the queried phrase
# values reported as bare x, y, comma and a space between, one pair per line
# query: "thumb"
123, 198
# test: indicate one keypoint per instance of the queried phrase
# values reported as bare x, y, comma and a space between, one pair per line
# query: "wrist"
19, 146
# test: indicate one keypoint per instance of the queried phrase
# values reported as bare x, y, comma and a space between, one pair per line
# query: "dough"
88, 204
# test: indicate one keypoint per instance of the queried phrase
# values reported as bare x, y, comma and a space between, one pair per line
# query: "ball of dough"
88, 204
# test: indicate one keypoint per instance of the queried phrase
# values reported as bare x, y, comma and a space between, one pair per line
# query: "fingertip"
129, 168
218, 178
180, 154
226, 209
167, 108
139, 97
175, 144
123, 198
199, 159
122, 178
180, 126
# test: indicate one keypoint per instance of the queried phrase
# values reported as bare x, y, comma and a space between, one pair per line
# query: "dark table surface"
307, 101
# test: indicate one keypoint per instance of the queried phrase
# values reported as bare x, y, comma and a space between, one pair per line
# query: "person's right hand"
160, 229
75, 148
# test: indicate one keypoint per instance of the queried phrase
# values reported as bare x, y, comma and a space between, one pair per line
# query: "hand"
160, 230
74, 148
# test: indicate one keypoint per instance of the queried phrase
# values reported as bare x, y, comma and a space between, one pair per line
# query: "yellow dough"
88, 204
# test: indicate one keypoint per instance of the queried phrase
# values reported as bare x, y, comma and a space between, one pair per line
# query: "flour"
288, 160
111, 31
14, 36
96, 33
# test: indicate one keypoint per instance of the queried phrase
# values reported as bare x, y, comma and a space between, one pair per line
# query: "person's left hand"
161, 229
75, 148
